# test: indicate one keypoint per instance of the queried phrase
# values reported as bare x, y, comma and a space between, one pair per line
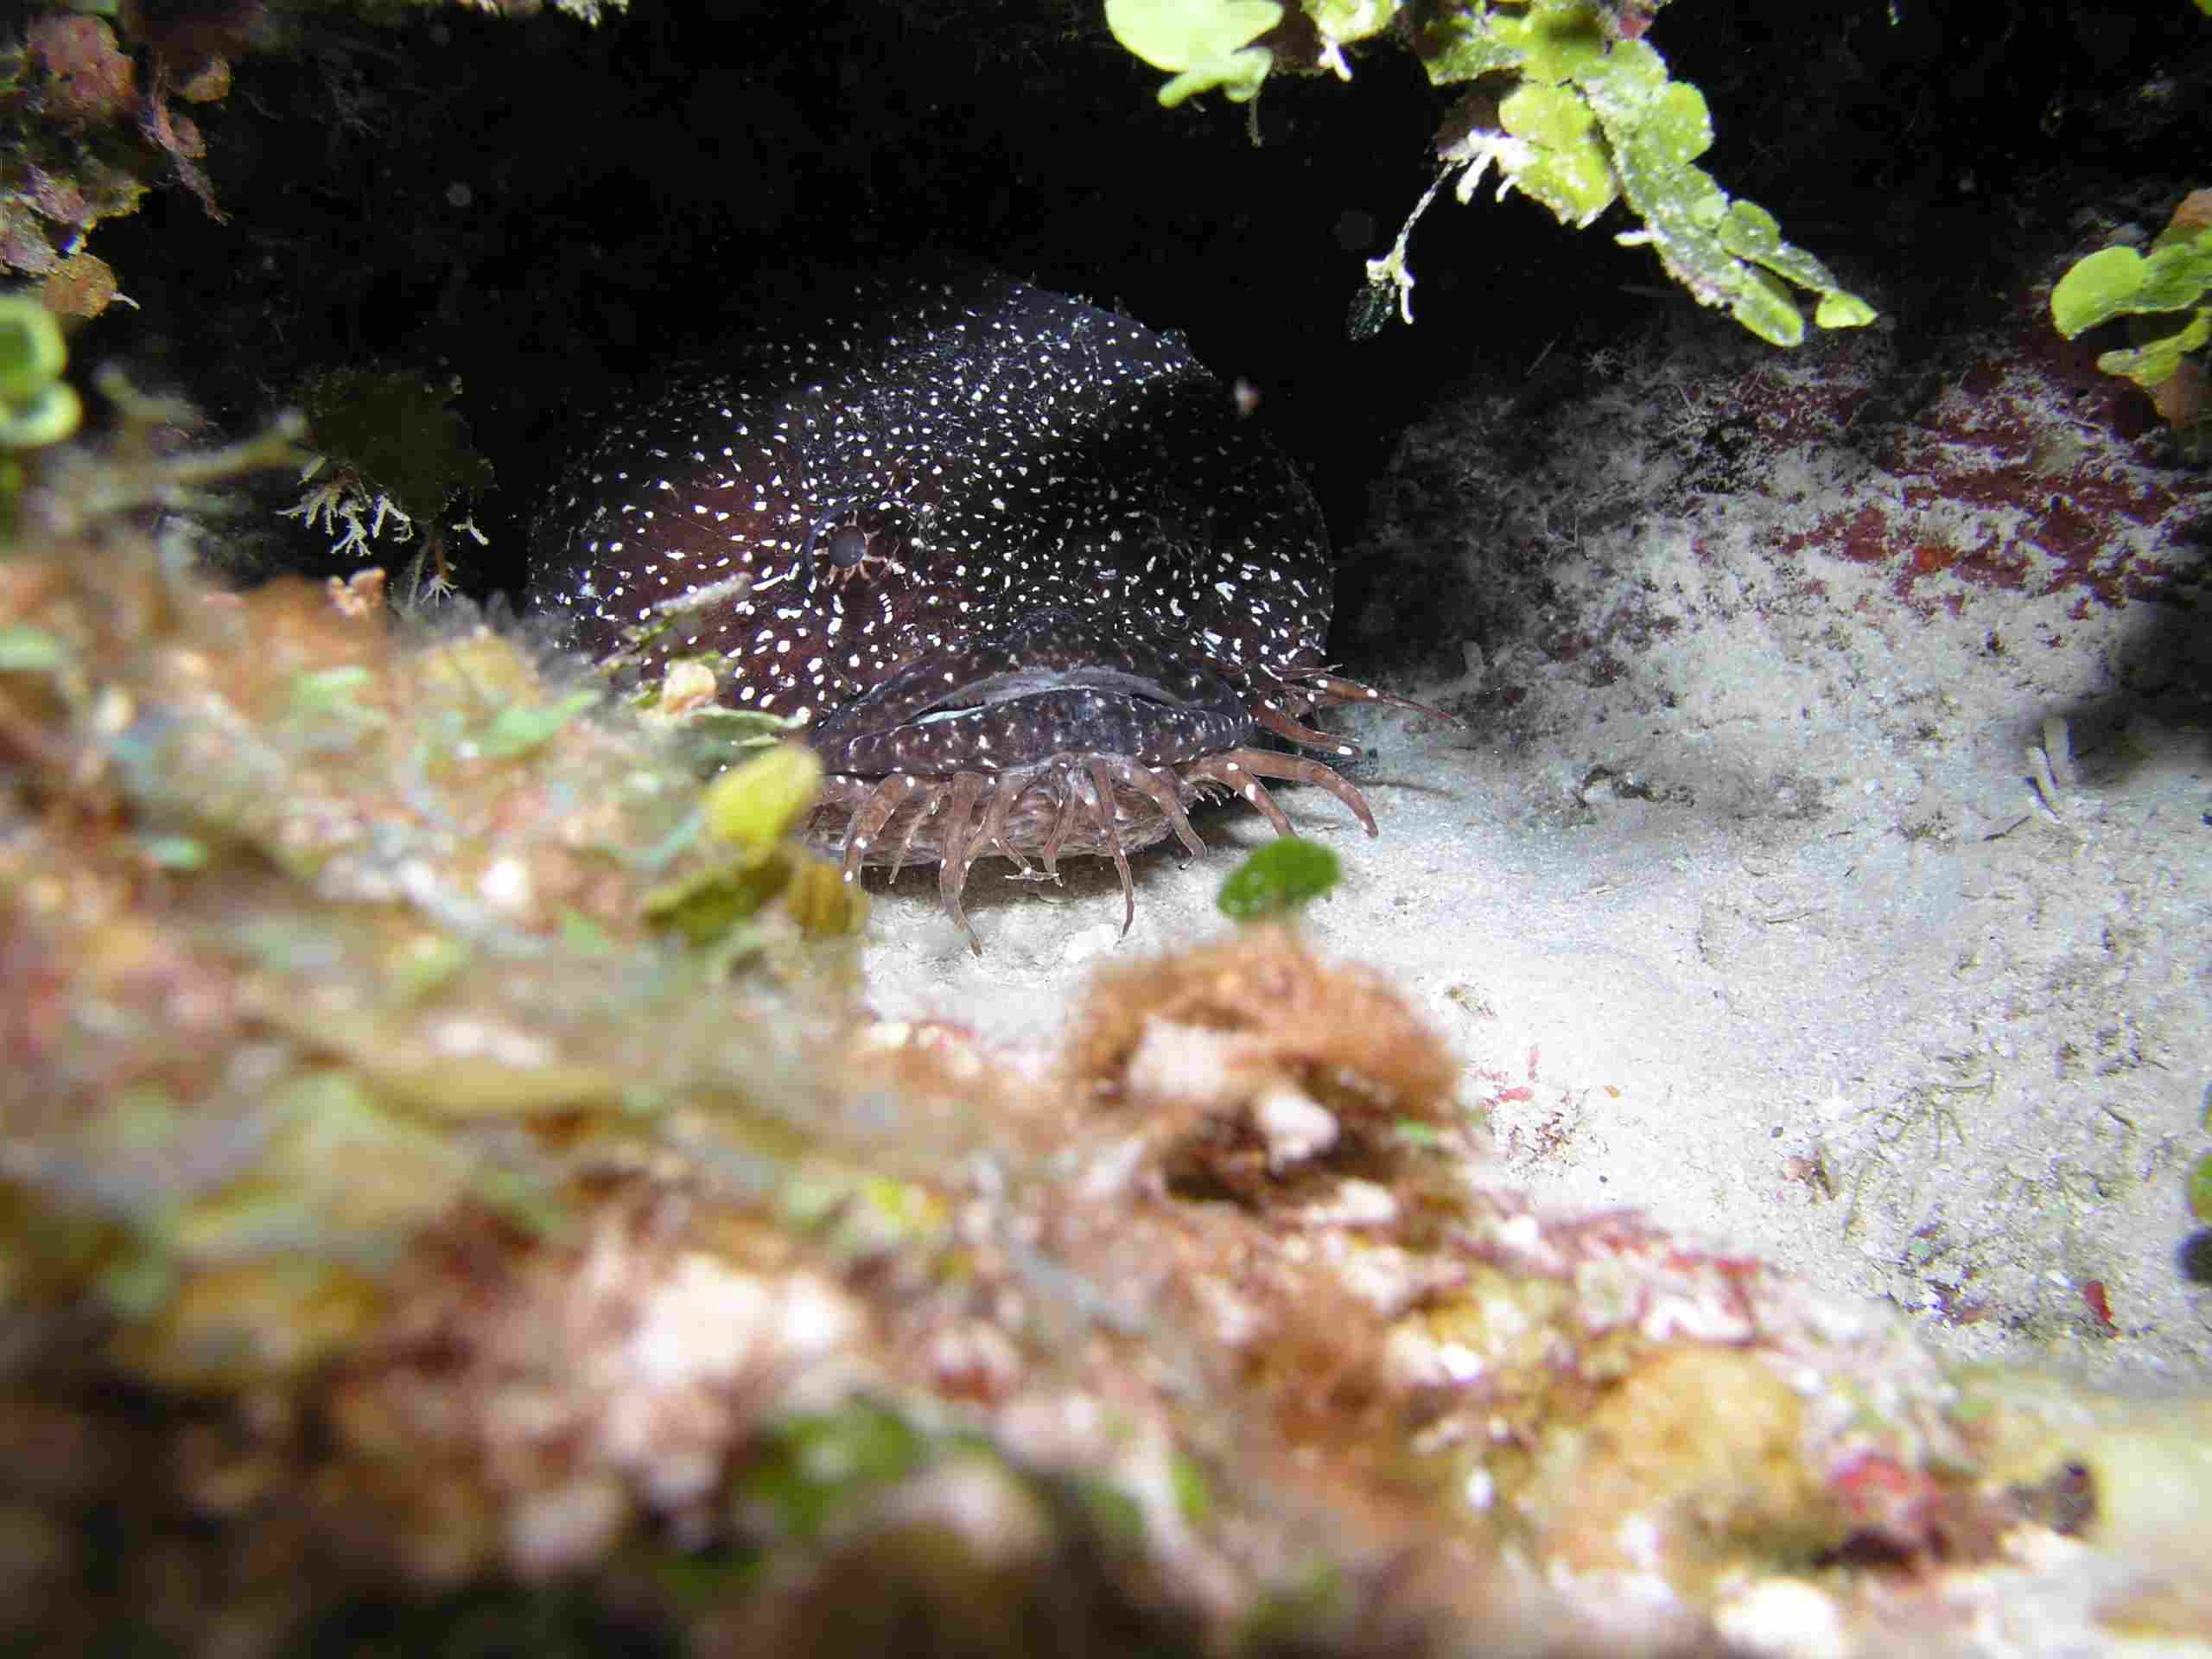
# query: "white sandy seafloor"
1773, 934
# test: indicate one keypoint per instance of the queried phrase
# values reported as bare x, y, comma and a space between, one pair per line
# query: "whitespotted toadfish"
1014, 559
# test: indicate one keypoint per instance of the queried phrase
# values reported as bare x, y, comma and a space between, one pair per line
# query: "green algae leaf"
138, 1280
1285, 875
324, 709
2161, 295
754, 806
1567, 168
711, 739
329, 691
1205, 43
424, 964
175, 852
1725, 252
36, 407
1115, 1514
815, 1469
1842, 310
2095, 289
1303, 1611
32, 354
525, 1202
2200, 1189
1193, 1492
520, 728
1549, 41
1351, 19
707, 906
583, 936
48, 415
2119, 281
1238, 76
2151, 363
823, 904
31, 651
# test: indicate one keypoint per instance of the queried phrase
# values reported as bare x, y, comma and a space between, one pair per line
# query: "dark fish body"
1014, 559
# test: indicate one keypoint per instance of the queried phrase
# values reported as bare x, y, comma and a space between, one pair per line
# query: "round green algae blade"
1285, 875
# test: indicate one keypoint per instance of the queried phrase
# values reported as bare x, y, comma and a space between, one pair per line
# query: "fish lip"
1025, 682
1053, 683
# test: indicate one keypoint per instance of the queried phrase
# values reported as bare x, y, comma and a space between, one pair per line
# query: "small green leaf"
1238, 76
138, 1281
2200, 1189
32, 354
325, 714
584, 936
526, 1202
2151, 363
2119, 281
1193, 1494
30, 651
331, 691
174, 852
1285, 875
48, 415
520, 728
754, 806
1763, 305
1207, 43
816, 1471
424, 965
2095, 289
1176, 35
1842, 310
707, 904
1567, 169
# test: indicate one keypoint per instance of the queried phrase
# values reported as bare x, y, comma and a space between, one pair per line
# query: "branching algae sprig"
2161, 296
1571, 106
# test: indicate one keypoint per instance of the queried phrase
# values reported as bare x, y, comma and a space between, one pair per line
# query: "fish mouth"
1057, 736
1052, 684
